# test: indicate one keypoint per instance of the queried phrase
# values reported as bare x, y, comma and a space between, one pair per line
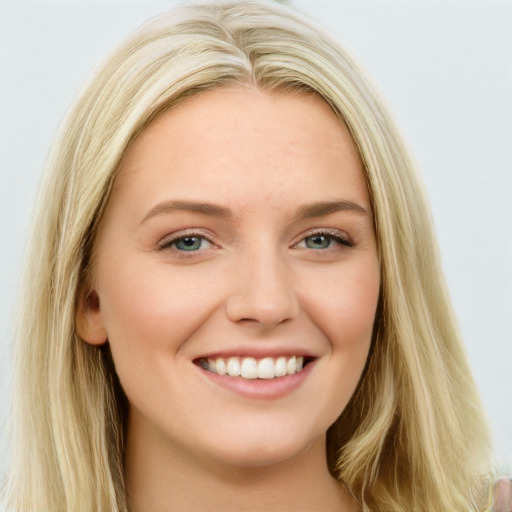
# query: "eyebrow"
320, 209
189, 206
308, 211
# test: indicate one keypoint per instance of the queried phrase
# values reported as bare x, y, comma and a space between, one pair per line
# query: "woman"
234, 298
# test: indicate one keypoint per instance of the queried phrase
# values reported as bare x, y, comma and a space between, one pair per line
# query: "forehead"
241, 138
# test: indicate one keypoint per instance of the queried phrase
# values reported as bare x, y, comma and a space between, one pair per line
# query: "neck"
161, 477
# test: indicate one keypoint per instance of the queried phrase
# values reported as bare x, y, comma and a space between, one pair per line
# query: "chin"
263, 446
261, 455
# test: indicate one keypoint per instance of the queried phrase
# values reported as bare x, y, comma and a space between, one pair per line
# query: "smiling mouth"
251, 368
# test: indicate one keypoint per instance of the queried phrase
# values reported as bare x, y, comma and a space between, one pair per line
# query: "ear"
88, 318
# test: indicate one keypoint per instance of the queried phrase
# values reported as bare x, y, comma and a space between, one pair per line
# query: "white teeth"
250, 368
280, 367
233, 367
266, 368
291, 365
221, 366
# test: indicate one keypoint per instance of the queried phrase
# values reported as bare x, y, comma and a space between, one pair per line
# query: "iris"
189, 243
318, 241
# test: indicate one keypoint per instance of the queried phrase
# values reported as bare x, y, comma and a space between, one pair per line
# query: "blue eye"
318, 241
185, 243
190, 243
322, 241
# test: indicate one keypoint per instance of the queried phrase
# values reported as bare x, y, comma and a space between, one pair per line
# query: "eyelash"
330, 235
168, 243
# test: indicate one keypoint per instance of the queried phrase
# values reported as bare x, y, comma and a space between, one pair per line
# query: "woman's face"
238, 238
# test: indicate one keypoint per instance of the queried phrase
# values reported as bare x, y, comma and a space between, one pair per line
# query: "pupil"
189, 243
318, 242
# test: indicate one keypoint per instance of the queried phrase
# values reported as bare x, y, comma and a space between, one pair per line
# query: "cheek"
150, 313
344, 306
344, 310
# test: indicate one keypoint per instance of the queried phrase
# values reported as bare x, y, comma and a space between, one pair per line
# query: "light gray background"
445, 69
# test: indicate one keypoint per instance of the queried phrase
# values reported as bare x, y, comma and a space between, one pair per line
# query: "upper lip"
258, 352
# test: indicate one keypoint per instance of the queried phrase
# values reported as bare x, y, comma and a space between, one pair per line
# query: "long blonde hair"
413, 436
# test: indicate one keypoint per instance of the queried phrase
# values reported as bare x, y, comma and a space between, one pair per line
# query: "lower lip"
262, 389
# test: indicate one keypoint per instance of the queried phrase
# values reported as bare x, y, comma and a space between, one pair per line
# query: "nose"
262, 290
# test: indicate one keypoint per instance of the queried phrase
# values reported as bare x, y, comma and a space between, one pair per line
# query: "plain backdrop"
445, 70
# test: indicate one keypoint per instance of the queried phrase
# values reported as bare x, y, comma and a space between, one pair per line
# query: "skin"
257, 281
